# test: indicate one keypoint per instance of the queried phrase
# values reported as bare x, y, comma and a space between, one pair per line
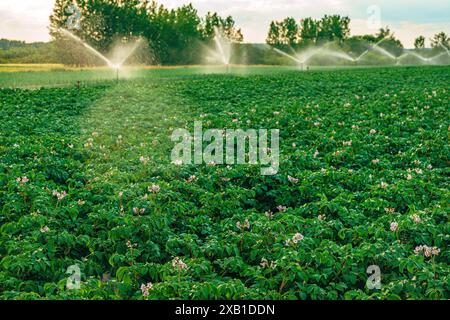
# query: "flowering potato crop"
86, 183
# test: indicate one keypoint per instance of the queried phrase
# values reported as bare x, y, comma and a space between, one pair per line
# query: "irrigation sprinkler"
221, 52
114, 65
303, 57
116, 68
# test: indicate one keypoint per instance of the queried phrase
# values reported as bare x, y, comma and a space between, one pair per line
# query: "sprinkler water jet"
115, 64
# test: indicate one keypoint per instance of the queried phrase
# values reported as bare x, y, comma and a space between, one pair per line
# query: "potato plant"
86, 180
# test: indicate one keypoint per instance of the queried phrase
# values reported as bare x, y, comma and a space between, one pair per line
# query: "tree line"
308, 31
437, 40
173, 35
177, 36
336, 28
13, 51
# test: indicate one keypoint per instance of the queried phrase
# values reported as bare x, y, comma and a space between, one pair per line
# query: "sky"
28, 19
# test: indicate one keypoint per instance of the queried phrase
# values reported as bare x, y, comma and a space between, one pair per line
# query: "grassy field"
86, 180
36, 76
53, 75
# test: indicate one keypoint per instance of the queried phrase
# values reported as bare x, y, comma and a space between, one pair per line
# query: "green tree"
212, 21
183, 34
419, 42
187, 24
227, 26
284, 32
309, 29
387, 40
69, 51
59, 16
334, 28
289, 33
231, 31
439, 39
273, 37
173, 35
383, 33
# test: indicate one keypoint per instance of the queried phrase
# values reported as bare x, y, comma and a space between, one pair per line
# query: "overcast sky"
28, 19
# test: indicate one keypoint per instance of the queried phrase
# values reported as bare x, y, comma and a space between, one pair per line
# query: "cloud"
25, 20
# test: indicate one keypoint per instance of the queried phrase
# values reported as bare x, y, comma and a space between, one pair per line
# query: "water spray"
368, 50
444, 47
111, 64
88, 47
221, 52
302, 57
288, 55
